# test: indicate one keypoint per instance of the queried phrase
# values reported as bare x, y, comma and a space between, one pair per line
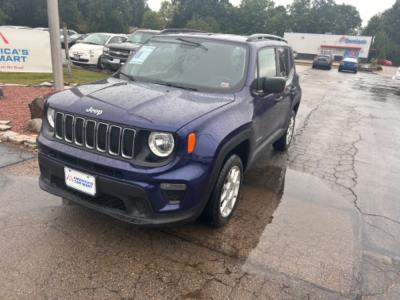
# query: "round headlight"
161, 144
50, 117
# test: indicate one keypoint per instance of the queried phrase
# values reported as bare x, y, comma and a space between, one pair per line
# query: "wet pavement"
10, 155
322, 221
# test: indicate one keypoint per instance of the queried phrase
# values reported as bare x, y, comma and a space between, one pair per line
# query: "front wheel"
225, 195
100, 64
284, 142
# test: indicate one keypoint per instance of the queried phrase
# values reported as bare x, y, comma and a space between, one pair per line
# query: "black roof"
256, 39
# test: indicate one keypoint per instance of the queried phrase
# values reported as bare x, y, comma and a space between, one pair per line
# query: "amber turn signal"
191, 142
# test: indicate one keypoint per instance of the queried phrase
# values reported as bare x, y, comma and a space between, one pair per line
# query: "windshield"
96, 39
192, 63
140, 37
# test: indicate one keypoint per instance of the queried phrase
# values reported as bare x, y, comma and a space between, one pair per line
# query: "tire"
284, 142
100, 64
213, 212
339, 70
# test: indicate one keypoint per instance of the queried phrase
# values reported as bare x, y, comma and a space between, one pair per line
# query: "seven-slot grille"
96, 135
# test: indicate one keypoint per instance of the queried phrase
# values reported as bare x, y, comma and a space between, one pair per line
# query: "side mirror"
273, 85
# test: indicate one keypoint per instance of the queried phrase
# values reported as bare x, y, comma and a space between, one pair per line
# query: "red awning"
341, 47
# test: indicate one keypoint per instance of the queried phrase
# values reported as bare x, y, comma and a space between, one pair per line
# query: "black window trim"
258, 64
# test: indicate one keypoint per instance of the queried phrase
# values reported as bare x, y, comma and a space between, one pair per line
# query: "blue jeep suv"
169, 136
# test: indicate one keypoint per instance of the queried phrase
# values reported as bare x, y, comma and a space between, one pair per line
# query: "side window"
115, 40
285, 61
267, 63
283, 68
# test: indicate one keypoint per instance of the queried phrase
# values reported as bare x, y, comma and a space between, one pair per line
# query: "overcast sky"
366, 8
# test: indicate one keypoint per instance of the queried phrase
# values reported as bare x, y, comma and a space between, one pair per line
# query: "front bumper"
84, 59
133, 201
111, 63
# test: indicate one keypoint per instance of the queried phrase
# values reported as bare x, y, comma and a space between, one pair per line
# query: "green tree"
300, 16
152, 20
385, 28
167, 12
208, 24
137, 9
3, 17
322, 16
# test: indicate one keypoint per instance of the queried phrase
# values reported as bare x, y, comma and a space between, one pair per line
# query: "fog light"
173, 186
173, 192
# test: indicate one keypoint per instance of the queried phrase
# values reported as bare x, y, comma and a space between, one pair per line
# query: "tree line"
251, 16
385, 28
314, 16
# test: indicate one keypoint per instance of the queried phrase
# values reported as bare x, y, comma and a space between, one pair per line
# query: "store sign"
353, 40
24, 50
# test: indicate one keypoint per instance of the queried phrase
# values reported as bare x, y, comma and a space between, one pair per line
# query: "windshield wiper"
130, 77
195, 44
178, 86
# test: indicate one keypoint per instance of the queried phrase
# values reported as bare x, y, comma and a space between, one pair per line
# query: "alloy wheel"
290, 131
230, 191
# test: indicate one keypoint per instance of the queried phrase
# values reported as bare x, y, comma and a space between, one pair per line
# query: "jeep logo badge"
94, 111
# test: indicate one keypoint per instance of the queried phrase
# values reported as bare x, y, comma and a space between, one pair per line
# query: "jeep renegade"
169, 136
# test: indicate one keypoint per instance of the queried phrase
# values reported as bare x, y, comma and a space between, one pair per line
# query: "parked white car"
397, 76
15, 27
88, 52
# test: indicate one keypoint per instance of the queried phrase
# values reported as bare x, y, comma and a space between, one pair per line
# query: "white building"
307, 45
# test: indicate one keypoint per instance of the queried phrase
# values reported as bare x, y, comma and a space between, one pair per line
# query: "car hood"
86, 47
124, 46
136, 104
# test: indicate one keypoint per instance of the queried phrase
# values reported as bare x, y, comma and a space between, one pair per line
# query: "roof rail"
180, 30
260, 36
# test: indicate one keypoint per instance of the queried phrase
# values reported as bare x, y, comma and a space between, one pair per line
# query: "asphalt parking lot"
322, 221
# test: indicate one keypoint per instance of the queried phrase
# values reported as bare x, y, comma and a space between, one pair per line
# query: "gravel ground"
14, 104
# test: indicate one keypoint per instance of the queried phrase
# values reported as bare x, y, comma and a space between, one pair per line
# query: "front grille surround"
100, 136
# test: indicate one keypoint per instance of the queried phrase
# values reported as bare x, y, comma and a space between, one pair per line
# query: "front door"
267, 106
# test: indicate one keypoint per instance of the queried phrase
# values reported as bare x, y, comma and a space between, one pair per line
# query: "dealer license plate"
116, 60
80, 181
77, 56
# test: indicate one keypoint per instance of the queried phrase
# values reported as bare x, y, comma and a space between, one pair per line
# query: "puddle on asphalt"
289, 222
383, 89
269, 192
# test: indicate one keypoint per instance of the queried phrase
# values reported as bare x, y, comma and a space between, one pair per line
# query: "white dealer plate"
80, 181
116, 60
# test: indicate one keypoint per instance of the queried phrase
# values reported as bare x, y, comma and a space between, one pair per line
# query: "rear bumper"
348, 68
322, 64
139, 202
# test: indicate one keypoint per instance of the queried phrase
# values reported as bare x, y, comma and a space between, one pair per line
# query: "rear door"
286, 69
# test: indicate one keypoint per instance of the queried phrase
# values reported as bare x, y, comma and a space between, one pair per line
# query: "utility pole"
54, 28
66, 48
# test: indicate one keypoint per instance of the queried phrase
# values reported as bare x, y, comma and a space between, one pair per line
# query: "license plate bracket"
80, 181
